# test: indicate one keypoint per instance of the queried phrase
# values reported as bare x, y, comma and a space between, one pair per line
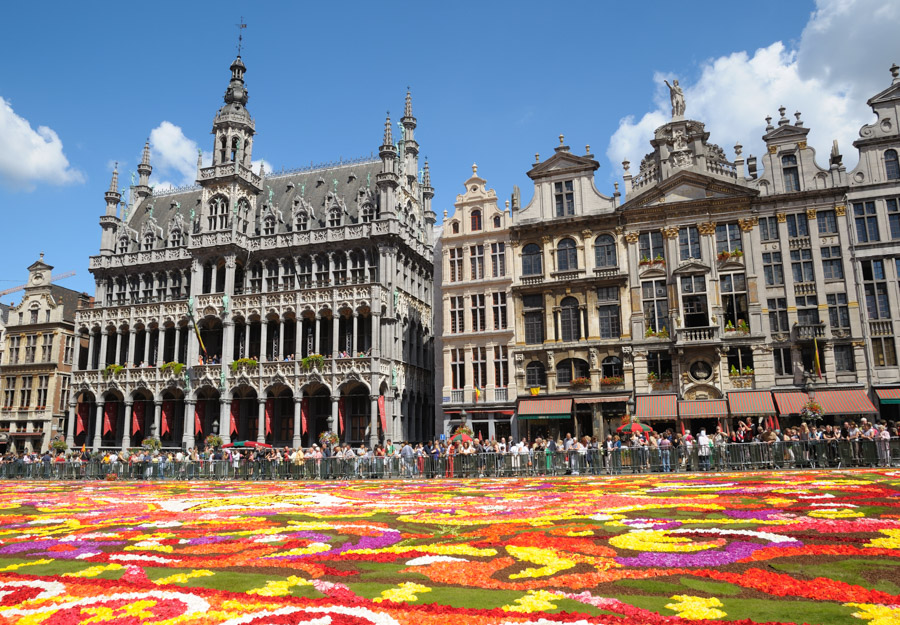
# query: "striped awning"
545, 408
790, 403
656, 406
888, 395
713, 408
746, 403
603, 399
848, 401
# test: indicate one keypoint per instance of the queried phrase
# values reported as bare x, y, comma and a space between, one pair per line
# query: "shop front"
888, 403
658, 411
755, 405
545, 418
703, 414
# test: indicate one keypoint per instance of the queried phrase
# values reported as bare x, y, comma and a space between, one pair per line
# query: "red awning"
545, 408
602, 399
656, 407
478, 411
712, 408
888, 395
849, 401
745, 403
790, 403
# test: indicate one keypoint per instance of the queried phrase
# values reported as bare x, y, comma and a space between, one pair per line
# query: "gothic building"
39, 350
262, 306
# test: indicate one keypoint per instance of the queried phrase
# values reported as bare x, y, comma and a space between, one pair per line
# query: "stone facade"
477, 316
40, 344
262, 306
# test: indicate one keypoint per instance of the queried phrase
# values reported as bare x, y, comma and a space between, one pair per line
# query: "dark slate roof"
4, 313
315, 186
68, 299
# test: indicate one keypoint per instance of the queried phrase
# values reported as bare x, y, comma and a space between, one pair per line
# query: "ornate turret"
427, 195
112, 196
410, 147
144, 169
387, 180
109, 222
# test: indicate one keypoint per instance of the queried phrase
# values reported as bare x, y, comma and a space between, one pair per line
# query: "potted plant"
612, 380
58, 444
247, 363
652, 377
112, 371
328, 437
811, 411
723, 256
747, 371
742, 326
172, 368
663, 334
313, 361
213, 441
729, 327
581, 381
151, 443
644, 261
737, 254
659, 260
649, 333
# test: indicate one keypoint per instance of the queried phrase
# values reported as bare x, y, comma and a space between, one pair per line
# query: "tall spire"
144, 170
112, 196
426, 178
114, 183
236, 91
407, 109
388, 137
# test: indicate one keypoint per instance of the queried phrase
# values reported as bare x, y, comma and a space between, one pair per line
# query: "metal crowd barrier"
725, 457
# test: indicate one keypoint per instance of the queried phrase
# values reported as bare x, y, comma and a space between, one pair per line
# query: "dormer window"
302, 221
455, 227
218, 213
269, 225
791, 173
891, 165
496, 221
476, 220
175, 238
123, 245
148, 241
368, 214
334, 217
565, 198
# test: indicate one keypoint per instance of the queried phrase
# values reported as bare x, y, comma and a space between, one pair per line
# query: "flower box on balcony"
613, 380
580, 382
736, 255
742, 327
663, 333
648, 262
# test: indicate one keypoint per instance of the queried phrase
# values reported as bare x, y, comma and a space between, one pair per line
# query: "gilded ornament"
708, 228
670, 233
840, 210
632, 237
781, 217
810, 213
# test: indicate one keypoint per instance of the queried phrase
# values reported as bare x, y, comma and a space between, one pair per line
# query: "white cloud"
173, 153
28, 156
828, 77
254, 165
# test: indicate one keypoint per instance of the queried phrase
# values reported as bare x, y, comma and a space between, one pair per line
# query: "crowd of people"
748, 445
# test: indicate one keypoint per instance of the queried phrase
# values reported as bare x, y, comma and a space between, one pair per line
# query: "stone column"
101, 362
316, 331
227, 354
246, 339
298, 417
261, 421
225, 420
70, 425
373, 422
98, 426
333, 420
91, 350
354, 340
160, 346
229, 274
157, 419
146, 345
132, 335
177, 344
263, 340
187, 438
376, 334
126, 428
214, 279
281, 339
335, 333
118, 354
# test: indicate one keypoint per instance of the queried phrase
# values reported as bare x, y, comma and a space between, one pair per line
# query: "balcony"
458, 397
743, 381
881, 328
810, 331
500, 394
796, 243
696, 336
530, 280
573, 274
609, 273
804, 288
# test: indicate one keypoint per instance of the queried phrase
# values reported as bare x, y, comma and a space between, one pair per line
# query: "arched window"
301, 221
531, 260
368, 213
570, 369
570, 319
218, 213
175, 238
148, 241
243, 213
123, 245
496, 221
891, 165
476, 220
790, 172
566, 256
223, 142
455, 227
234, 148
269, 225
611, 367
535, 374
605, 251
334, 217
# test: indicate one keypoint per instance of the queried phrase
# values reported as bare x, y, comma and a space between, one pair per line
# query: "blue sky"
84, 84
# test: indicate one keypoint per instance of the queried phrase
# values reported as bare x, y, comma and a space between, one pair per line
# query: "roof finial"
769, 125
561, 139
114, 183
784, 120
798, 122
407, 110
474, 169
388, 137
42, 256
426, 178
145, 155
895, 73
537, 157
241, 28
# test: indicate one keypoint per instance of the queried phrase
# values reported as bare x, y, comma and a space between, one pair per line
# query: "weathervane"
241, 28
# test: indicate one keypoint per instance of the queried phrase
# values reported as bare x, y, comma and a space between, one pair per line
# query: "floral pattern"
655, 549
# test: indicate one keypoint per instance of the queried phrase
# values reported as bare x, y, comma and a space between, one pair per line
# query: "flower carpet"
794, 547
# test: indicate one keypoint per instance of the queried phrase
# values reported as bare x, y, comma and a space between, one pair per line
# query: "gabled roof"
689, 186
563, 162
786, 132
888, 95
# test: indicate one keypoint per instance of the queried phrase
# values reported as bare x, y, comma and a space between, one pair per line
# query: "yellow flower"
534, 601
103, 614
441, 550
696, 608
279, 588
657, 540
94, 571
302, 551
876, 614
403, 593
891, 542
551, 562
835, 513
182, 578
13, 567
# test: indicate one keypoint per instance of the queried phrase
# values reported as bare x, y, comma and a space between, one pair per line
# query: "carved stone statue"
676, 95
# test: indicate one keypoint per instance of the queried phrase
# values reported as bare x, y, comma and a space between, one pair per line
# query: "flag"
270, 406
235, 412
382, 413
137, 416
477, 394
341, 415
166, 426
83, 449
81, 418
199, 413
304, 413
108, 411
818, 364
